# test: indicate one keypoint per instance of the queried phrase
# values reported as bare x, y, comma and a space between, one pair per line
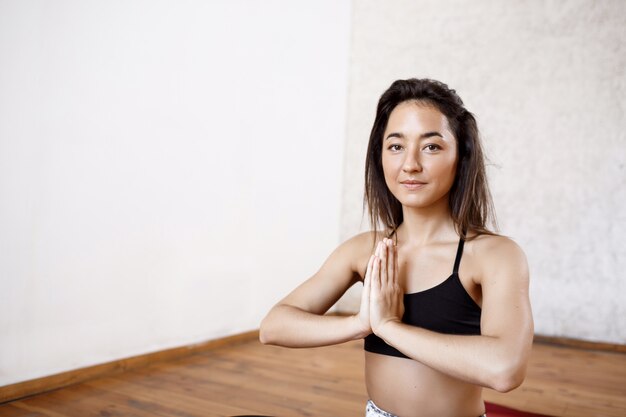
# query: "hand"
385, 294
363, 316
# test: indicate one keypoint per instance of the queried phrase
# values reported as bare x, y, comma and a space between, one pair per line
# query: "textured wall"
547, 82
155, 156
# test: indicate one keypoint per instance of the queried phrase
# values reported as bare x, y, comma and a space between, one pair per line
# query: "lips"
412, 184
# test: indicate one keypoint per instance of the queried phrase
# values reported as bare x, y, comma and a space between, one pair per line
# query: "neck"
425, 225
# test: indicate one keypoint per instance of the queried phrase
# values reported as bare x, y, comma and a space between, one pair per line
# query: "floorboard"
249, 378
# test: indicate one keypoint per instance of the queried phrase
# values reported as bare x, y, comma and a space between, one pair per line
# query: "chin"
414, 201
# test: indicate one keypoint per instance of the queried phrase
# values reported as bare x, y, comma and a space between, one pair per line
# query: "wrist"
358, 329
383, 329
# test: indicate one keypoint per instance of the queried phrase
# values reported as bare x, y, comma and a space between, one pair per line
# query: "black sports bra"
444, 308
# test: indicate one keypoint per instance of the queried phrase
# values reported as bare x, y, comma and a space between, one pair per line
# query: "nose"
411, 162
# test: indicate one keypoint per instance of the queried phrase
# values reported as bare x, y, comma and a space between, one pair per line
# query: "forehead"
419, 117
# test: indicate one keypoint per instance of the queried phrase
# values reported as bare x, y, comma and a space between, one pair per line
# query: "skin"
445, 373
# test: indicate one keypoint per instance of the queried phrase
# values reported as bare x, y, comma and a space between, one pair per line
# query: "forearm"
293, 327
483, 360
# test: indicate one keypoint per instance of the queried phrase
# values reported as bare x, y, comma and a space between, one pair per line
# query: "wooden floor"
249, 378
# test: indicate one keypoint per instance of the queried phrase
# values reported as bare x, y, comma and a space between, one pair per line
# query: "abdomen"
410, 389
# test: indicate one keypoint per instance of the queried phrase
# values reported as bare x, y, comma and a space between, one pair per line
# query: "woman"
431, 342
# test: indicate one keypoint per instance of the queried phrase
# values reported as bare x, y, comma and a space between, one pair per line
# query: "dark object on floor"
495, 410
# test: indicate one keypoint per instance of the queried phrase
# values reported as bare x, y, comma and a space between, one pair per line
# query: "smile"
413, 185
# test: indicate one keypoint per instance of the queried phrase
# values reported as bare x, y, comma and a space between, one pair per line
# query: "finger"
365, 296
390, 257
393, 262
378, 251
368, 273
375, 277
383, 264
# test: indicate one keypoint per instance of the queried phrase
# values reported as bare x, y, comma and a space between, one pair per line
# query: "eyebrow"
422, 136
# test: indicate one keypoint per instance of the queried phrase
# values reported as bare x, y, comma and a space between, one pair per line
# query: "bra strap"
459, 253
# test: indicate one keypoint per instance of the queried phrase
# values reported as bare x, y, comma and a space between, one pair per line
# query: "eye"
394, 147
432, 147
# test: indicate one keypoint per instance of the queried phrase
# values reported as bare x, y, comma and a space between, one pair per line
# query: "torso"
409, 389
404, 386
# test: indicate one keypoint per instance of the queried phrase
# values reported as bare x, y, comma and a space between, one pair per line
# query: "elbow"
507, 383
267, 334
264, 335
265, 338
507, 378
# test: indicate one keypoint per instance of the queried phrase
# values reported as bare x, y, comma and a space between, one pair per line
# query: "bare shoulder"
358, 250
364, 240
497, 245
498, 255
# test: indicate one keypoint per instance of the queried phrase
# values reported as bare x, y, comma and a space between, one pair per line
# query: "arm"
298, 320
495, 359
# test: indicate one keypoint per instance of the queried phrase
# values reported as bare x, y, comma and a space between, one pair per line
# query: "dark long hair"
470, 201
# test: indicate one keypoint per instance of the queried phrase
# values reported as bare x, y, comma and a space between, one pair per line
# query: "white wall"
168, 170
158, 158
547, 81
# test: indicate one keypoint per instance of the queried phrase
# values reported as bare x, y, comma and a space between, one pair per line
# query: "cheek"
445, 172
390, 169
387, 175
452, 174
386, 167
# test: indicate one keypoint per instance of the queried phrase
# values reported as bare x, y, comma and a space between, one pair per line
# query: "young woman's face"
419, 154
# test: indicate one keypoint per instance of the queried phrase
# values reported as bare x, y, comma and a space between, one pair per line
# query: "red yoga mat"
495, 410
